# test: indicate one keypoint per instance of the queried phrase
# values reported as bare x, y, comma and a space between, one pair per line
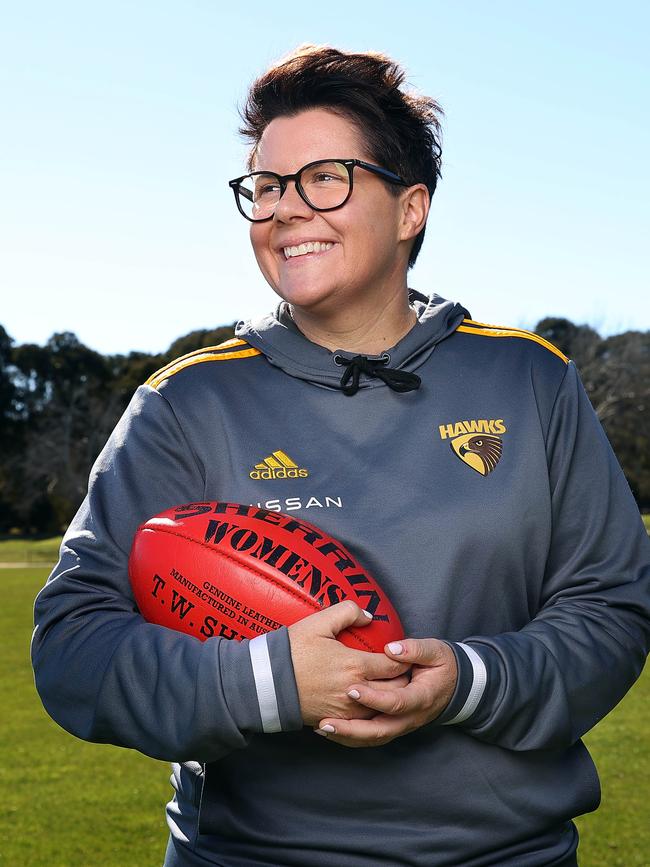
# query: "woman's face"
366, 254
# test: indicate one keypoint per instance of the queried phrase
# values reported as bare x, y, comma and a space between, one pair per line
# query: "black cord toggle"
398, 380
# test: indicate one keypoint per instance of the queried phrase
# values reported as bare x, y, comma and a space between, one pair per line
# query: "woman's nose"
292, 205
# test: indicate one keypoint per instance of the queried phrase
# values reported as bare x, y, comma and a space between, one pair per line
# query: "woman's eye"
266, 190
325, 176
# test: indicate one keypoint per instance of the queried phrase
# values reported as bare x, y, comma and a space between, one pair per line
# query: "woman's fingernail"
395, 647
367, 613
327, 728
354, 693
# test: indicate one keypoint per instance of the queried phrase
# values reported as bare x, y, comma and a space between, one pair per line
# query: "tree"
68, 407
10, 431
616, 375
59, 404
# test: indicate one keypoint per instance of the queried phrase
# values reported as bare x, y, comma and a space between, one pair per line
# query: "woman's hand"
324, 667
401, 710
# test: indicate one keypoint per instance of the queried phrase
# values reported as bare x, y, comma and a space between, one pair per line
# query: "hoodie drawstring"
398, 380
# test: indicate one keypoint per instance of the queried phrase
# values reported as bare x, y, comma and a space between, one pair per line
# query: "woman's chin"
305, 297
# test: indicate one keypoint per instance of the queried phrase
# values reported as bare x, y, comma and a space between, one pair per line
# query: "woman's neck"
361, 332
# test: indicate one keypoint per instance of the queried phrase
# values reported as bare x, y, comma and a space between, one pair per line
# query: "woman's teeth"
309, 247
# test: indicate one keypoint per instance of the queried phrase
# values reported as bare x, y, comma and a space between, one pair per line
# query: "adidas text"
279, 473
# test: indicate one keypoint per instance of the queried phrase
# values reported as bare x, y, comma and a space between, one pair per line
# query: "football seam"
229, 556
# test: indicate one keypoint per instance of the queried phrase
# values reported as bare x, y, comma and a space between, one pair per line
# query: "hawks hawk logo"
476, 442
481, 452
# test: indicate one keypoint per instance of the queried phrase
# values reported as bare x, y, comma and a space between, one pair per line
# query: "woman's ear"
414, 211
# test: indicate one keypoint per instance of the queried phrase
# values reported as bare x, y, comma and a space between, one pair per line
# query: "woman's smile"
306, 249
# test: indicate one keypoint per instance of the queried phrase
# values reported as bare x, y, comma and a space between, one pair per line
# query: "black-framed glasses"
323, 184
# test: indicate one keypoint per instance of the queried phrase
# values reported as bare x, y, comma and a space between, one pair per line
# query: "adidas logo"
278, 466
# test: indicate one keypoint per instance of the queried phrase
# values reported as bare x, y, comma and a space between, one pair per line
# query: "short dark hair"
401, 130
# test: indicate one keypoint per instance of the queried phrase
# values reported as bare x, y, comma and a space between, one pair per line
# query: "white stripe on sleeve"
263, 674
478, 686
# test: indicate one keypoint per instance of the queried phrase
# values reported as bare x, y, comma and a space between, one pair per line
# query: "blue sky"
119, 137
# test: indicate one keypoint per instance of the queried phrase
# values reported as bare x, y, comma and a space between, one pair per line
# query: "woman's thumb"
344, 614
426, 651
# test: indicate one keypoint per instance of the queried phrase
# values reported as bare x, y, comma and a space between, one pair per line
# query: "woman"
461, 463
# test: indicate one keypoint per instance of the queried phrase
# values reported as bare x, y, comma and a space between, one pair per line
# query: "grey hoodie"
489, 506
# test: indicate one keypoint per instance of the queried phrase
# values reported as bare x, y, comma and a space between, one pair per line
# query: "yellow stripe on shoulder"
223, 352
471, 326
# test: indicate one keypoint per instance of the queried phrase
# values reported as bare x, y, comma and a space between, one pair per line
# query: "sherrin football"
236, 571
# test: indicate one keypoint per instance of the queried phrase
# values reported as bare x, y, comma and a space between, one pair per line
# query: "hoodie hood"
279, 339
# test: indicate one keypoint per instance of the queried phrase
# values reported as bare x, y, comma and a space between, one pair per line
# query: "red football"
225, 569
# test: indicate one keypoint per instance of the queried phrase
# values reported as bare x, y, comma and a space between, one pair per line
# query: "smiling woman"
459, 462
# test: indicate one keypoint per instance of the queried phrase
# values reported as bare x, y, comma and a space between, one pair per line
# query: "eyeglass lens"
325, 185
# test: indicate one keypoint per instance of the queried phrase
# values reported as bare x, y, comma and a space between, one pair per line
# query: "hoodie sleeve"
544, 686
106, 675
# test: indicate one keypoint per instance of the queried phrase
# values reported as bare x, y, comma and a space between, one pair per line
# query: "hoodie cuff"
275, 682
260, 684
470, 685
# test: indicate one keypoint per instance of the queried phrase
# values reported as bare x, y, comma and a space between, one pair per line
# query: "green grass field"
67, 803
37, 551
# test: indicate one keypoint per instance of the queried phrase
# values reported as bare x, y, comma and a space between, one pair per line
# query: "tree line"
59, 403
